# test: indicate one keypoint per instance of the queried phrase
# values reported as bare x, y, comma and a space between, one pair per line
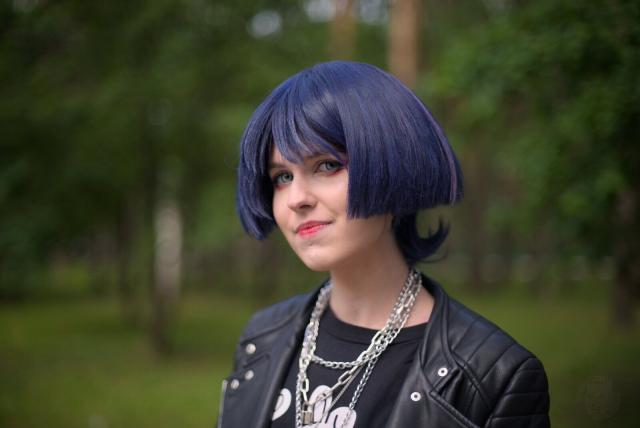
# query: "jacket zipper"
224, 391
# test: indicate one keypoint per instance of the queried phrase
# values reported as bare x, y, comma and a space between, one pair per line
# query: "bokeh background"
125, 276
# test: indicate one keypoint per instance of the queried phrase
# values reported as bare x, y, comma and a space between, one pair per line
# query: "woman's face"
310, 208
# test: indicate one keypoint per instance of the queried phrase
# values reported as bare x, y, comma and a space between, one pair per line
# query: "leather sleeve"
525, 400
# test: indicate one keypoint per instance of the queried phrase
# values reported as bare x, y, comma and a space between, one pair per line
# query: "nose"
300, 195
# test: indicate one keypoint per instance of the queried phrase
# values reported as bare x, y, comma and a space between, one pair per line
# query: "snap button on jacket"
467, 371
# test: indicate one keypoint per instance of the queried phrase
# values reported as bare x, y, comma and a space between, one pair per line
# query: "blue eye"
329, 166
282, 178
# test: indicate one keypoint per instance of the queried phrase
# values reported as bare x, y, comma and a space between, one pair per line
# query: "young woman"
341, 157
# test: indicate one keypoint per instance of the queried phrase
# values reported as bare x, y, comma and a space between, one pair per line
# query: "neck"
364, 291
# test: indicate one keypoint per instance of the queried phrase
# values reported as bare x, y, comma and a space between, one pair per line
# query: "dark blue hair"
399, 160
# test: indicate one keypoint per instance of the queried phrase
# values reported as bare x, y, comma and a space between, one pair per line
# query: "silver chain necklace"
305, 414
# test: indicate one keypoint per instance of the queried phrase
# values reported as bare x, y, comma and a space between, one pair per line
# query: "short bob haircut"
398, 158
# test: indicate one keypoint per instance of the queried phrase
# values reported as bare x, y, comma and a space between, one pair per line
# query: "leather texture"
467, 371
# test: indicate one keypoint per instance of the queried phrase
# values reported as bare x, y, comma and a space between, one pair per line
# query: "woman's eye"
329, 166
282, 178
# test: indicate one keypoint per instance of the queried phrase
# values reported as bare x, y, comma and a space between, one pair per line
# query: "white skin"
366, 266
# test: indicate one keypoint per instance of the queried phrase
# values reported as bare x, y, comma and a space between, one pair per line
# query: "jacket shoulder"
480, 343
497, 365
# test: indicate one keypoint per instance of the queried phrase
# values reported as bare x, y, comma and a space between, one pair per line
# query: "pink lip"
310, 228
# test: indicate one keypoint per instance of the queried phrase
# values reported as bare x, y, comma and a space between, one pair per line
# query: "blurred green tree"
112, 110
551, 89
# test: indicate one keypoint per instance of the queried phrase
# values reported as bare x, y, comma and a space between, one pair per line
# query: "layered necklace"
305, 414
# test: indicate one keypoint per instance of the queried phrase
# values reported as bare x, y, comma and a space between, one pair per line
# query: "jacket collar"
434, 353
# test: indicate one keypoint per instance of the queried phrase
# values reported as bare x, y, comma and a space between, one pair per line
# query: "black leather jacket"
467, 371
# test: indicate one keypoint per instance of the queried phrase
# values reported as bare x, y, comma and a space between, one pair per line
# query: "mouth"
311, 228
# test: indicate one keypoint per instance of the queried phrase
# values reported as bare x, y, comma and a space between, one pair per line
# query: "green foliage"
551, 88
107, 106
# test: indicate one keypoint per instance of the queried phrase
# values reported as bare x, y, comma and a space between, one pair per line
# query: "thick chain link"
379, 343
384, 337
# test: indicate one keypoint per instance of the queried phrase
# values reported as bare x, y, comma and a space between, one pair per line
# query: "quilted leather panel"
497, 373
525, 402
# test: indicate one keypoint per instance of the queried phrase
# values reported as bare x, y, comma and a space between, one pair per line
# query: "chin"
317, 262
317, 266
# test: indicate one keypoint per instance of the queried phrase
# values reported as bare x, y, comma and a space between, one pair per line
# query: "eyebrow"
275, 165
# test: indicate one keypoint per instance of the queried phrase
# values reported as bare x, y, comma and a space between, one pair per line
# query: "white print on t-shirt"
283, 403
333, 419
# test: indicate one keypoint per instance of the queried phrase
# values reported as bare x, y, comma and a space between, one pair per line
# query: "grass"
74, 363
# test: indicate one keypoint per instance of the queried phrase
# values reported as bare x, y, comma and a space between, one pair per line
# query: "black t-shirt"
339, 341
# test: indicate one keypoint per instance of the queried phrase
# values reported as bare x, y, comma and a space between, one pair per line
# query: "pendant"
307, 415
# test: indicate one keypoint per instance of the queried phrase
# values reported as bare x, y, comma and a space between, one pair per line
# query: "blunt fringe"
399, 159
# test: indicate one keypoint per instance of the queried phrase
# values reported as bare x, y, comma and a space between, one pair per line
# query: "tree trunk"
100, 249
627, 260
343, 29
167, 269
403, 40
126, 232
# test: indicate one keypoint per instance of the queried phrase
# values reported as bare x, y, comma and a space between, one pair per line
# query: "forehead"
277, 158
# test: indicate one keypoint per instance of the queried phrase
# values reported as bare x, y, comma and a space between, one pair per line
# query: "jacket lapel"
418, 403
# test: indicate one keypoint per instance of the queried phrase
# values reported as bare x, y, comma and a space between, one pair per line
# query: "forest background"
125, 276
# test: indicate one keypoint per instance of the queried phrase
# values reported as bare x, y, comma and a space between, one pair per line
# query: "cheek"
367, 232
342, 196
279, 213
